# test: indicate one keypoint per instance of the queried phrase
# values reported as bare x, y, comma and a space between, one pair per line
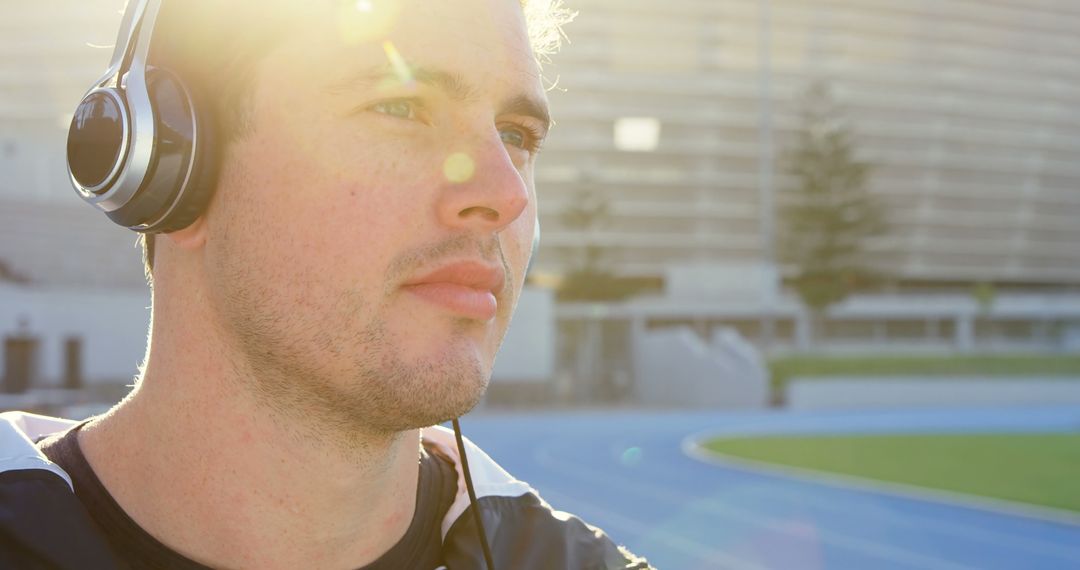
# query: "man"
347, 283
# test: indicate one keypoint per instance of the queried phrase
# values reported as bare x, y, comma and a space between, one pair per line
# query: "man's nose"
482, 189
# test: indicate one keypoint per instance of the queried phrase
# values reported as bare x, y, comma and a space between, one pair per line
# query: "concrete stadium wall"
527, 354
674, 367
111, 324
898, 392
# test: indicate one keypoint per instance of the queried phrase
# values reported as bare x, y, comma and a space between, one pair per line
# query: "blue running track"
625, 472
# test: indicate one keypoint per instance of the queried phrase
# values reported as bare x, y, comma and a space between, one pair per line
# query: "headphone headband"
133, 14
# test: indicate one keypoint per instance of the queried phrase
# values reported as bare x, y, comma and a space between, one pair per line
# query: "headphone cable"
472, 497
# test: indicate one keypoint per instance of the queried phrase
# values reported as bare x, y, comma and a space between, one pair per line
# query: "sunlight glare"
458, 168
367, 20
637, 134
401, 68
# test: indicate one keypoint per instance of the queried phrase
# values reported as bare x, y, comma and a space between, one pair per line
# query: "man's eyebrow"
529, 107
453, 84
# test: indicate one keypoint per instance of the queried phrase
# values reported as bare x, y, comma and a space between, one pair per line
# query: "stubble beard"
339, 373
376, 394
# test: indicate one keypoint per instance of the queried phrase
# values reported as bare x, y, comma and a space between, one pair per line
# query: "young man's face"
369, 238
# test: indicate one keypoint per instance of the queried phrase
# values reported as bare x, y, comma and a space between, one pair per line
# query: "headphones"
138, 147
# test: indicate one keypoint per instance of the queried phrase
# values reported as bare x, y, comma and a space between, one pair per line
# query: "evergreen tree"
587, 210
589, 276
828, 213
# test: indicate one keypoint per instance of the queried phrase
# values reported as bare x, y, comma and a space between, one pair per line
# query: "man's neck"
202, 467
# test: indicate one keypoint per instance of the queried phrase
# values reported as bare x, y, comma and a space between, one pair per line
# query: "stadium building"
680, 113
968, 112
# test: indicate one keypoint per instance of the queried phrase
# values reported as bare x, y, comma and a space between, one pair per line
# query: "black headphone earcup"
182, 172
202, 179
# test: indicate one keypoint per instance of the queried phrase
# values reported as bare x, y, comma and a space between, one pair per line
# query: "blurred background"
808, 293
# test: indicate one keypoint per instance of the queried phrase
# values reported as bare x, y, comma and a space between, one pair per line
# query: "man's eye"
521, 137
513, 136
400, 108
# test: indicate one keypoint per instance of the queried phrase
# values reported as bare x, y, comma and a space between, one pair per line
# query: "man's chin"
444, 383
459, 408
443, 403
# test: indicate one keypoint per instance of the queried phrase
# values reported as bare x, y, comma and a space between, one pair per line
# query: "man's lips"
468, 288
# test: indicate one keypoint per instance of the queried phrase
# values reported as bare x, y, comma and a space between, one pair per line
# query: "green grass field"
1011, 366
1041, 469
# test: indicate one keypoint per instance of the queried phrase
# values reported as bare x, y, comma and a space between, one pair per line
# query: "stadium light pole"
766, 159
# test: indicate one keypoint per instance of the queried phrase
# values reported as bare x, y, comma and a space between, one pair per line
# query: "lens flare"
401, 68
362, 21
459, 168
631, 457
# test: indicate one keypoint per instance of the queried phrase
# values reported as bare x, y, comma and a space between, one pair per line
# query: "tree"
588, 277
587, 210
985, 294
828, 214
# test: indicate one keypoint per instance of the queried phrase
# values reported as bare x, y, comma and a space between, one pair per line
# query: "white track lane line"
889, 553
691, 446
858, 484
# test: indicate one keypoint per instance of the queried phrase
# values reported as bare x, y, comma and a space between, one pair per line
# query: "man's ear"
190, 238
